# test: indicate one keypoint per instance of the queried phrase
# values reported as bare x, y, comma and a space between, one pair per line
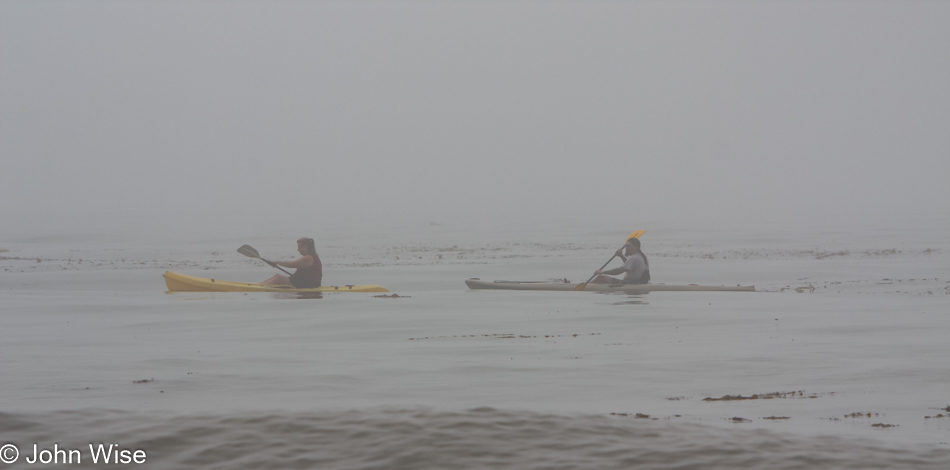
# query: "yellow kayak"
184, 283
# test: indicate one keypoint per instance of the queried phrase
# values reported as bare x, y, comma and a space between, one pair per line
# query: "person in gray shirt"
635, 265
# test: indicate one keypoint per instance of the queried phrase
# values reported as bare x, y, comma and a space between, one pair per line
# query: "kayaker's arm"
620, 254
302, 262
612, 272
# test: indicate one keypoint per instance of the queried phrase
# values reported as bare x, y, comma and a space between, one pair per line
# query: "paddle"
636, 234
250, 252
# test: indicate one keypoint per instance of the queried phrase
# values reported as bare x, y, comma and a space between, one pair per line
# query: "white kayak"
478, 284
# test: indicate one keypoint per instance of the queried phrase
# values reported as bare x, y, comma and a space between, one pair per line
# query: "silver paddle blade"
249, 251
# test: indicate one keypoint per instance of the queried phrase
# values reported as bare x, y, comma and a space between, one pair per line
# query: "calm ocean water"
840, 360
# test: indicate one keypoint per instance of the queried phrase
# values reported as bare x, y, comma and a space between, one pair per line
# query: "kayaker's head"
306, 246
632, 246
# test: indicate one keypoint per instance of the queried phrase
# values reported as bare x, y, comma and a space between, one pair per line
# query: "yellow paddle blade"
636, 234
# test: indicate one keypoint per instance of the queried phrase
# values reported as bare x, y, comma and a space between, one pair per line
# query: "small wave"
420, 438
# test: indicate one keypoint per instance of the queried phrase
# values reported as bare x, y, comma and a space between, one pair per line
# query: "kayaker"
635, 265
309, 269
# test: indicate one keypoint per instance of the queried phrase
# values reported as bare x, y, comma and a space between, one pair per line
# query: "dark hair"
308, 242
635, 242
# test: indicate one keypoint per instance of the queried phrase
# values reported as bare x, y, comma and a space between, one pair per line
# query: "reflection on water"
631, 298
635, 301
299, 295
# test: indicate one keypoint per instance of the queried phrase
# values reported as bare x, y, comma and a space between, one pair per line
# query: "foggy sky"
579, 112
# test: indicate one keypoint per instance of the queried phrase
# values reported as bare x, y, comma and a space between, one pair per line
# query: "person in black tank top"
309, 272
